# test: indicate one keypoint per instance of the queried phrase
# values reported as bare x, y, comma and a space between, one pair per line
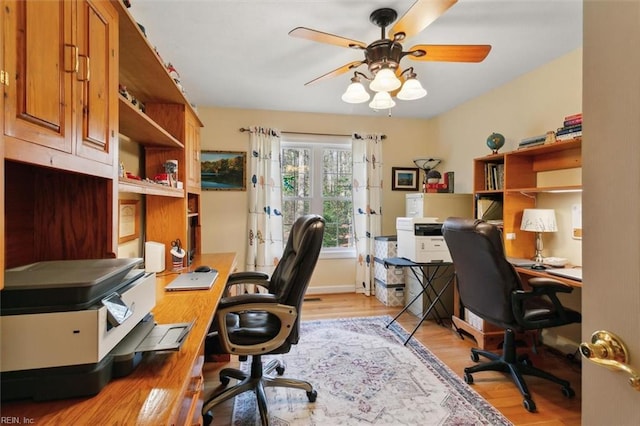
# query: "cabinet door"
96, 80
41, 60
193, 154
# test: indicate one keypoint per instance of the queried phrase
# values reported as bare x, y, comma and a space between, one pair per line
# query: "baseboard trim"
346, 288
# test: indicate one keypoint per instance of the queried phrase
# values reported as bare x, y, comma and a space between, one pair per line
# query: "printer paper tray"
149, 336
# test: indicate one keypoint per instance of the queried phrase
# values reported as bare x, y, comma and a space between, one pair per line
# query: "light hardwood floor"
497, 388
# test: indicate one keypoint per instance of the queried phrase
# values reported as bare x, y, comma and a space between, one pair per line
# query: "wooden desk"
492, 336
526, 273
165, 388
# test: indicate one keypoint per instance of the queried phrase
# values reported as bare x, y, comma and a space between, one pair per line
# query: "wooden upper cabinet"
97, 79
40, 60
61, 103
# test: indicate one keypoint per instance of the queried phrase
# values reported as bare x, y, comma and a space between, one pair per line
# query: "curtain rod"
244, 129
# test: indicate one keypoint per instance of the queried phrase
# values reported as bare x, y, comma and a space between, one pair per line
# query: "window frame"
316, 144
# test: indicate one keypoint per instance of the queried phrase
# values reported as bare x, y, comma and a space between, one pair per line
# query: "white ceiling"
238, 54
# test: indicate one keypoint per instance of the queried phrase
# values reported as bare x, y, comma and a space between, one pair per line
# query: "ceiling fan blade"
338, 71
451, 52
419, 16
321, 37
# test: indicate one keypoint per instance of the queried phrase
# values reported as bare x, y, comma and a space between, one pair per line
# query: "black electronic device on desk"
70, 326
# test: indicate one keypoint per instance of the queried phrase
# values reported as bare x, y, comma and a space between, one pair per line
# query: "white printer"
420, 240
69, 327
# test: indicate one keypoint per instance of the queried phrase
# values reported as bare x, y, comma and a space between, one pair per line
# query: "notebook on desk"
571, 273
193, 281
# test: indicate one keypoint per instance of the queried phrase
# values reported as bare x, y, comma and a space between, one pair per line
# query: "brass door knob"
609, 350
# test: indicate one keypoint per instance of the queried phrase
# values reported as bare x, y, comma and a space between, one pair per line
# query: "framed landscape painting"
404, 178
223, 170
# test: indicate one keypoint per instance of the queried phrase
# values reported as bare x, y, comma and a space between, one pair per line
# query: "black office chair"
490, 287
266, 323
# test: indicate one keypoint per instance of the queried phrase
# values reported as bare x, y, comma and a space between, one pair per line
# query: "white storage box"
392, 275
478, 323
385, 246
390, 294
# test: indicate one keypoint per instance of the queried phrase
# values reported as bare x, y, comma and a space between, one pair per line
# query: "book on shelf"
494, 176
572, 122
488, 209
568, 136
533, 139
573, 116
569, 129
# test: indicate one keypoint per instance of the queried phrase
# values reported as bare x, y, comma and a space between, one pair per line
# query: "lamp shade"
356, 94
539, 220
382, 100
385, 81
412, 90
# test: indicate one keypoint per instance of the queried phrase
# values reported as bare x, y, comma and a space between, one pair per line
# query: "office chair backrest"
485, 278
291, 276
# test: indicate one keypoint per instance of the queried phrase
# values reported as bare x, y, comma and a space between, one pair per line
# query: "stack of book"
532, 141
571, 128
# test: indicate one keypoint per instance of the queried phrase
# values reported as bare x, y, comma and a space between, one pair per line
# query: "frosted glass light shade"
411, 90
385, 81
382, 100
355, 94
539, 220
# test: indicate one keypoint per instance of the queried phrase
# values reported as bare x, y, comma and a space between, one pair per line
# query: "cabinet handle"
86, 69
74, 58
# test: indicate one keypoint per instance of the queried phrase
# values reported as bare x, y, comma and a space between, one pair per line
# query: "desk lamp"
539, 221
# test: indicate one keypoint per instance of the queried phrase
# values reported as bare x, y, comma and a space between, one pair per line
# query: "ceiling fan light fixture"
382, 100
385, 81
355, 93
412, 90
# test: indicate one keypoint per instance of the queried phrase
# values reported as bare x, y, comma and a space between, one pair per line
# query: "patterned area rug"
365, 376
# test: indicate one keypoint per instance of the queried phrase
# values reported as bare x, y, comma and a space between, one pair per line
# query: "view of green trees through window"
317, 179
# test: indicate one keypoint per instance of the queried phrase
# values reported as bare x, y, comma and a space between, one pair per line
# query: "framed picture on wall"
223, 170
128, 221
404, 178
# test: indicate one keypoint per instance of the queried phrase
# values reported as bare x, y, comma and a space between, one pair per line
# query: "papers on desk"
515, 261
571, 273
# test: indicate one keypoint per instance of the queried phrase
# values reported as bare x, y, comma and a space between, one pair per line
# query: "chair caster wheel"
207, 418
312, 395
468, 378
568, 392
475, 357
280, 370
529, 405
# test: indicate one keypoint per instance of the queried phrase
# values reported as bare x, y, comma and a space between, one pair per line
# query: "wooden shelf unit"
518, 192
169, 129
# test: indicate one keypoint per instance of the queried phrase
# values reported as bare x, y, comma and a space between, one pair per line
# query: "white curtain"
367, 205
264, 227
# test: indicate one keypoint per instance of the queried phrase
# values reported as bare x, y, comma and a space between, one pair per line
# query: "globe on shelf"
495, 141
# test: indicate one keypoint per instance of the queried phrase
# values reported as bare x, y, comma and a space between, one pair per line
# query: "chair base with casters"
256, 380
517, 366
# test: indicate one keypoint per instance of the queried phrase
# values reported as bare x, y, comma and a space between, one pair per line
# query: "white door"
611, 205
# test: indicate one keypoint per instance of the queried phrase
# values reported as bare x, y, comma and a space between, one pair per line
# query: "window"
317, 178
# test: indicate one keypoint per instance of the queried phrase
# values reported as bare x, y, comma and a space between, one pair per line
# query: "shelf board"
141, 68
566, 188
192, 215
147, 188
143, 130
547, 149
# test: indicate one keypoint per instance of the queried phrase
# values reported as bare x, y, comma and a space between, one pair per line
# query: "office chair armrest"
545, 309
285, 313
246, 277
549, 285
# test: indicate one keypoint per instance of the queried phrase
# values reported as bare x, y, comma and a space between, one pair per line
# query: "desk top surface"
153, 393
544, 274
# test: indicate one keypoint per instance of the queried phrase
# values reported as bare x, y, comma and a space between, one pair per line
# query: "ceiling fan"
383, 56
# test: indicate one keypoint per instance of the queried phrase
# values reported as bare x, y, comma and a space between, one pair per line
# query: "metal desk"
425, 273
